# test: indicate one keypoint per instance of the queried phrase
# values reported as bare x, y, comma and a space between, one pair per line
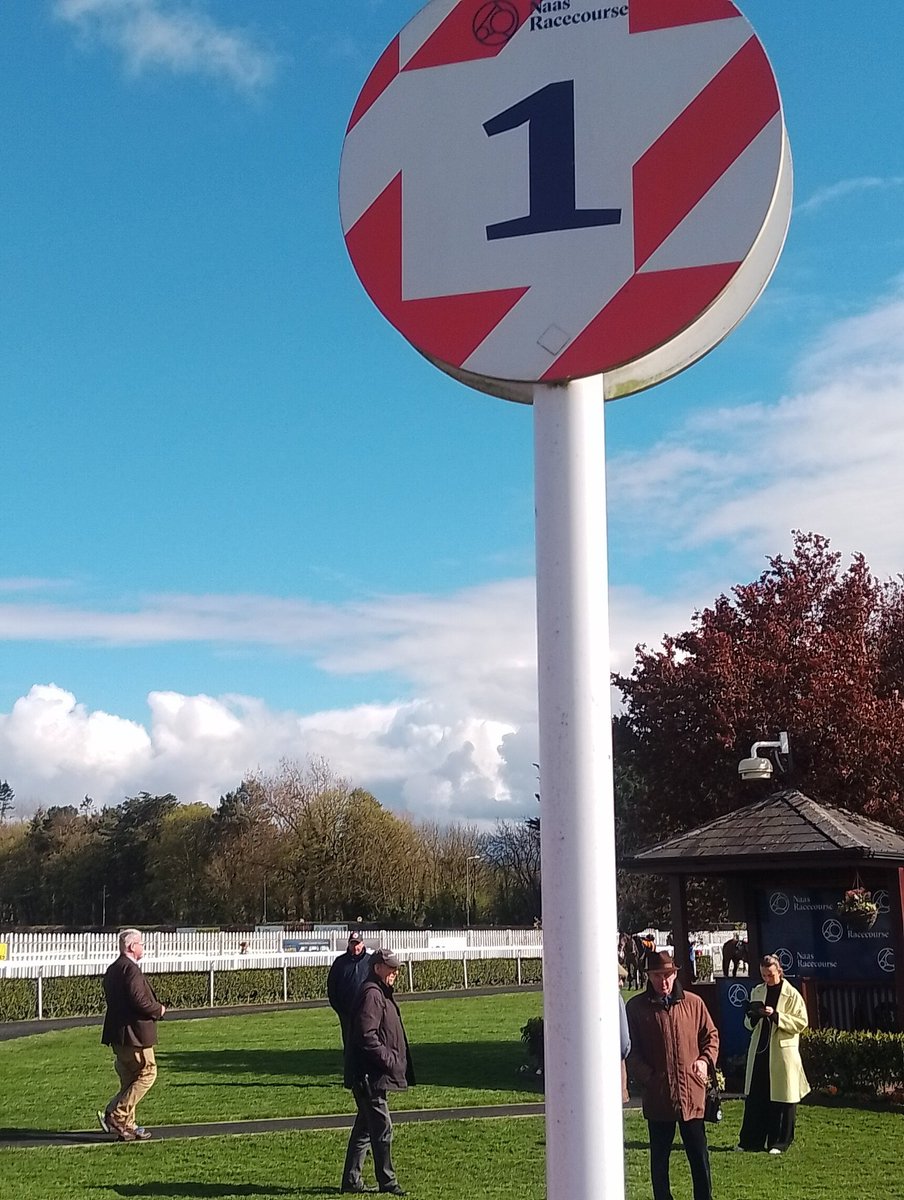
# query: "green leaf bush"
74, 995
532, 1040
82, 995
439, 975
18, 999
492, 972
248, 987
307, 983
856, 1063
531, 971
181, 989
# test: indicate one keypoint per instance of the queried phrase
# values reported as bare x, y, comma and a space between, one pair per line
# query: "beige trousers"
137, 1070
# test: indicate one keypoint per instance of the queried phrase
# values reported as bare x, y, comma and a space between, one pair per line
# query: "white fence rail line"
49, 968
92, 946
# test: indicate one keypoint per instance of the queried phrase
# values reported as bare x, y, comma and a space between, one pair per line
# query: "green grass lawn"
280, 1064
838, 1153
287, 1064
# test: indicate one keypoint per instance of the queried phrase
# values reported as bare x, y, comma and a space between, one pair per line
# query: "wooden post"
754, 942
896, 906
810, 991
678, 901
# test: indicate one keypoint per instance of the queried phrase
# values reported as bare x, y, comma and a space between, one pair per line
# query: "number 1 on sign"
549, 114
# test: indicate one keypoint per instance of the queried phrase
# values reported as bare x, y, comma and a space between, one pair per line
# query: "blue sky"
241, 519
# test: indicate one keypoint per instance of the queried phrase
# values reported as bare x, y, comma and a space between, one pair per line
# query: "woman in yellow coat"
775, 1080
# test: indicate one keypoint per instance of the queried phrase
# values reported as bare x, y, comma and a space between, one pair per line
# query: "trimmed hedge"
73, 995
82, 995
181, 989
248, 987
854, 1063
531, 970
492, 972
18, 999
438, 975
307, 983
837, 1063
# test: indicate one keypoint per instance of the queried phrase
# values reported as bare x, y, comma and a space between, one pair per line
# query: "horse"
630, 955
734, 952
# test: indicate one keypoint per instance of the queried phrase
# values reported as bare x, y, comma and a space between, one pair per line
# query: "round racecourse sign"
534, 191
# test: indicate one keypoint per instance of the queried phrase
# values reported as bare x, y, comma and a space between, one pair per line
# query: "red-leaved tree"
810, 648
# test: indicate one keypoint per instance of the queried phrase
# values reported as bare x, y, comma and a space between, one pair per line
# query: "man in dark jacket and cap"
346, 978
377, 1061
130, 1029
674, 1045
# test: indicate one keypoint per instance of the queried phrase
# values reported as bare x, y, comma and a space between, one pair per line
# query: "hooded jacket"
666, 1041
377, 1052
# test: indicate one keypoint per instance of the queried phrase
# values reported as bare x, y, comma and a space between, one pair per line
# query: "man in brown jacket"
377, 1061
674, 1043
130, 1028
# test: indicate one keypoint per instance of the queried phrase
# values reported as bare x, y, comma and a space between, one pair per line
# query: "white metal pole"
584, 1142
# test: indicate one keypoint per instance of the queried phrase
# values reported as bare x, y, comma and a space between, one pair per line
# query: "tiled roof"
784, 825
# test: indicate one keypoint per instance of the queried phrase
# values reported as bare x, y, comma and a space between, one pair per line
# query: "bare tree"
513, 851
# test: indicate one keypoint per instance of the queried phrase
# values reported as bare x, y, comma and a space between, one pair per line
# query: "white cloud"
460, 747
826, 456
170, 35
848, 187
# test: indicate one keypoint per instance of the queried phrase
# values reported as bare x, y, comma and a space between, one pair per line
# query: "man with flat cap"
674, 1045
346, 978
377, 1061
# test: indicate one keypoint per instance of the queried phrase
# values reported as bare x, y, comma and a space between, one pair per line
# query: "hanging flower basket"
858, 910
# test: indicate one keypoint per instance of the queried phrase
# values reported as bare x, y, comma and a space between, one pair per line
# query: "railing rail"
95, 946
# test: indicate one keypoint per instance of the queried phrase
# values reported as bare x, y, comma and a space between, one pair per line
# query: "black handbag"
712, 1105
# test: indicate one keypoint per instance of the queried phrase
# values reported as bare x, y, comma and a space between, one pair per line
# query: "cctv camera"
755, 768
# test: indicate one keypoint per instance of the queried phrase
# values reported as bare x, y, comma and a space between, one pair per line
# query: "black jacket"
345, 980
377, 1049
132, 1008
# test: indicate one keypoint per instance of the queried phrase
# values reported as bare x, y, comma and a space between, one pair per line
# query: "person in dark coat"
130, 1029
346, 978
674, 1045
377, 1061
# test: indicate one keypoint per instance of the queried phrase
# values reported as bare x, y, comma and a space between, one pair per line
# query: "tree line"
299, 844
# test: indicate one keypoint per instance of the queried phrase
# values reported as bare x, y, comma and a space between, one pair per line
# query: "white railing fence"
95, 947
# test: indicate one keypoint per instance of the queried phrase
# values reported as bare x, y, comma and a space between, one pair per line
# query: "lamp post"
471, 858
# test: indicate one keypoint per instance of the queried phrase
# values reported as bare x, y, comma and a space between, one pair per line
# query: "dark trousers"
767, 1124
372, 1127
693, 1134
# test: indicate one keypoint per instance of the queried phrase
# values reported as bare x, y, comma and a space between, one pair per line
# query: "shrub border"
82, 995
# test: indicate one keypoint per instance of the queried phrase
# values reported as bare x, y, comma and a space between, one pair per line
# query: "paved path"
10, 1138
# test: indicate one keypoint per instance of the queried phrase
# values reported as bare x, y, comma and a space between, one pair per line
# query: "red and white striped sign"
540, 190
